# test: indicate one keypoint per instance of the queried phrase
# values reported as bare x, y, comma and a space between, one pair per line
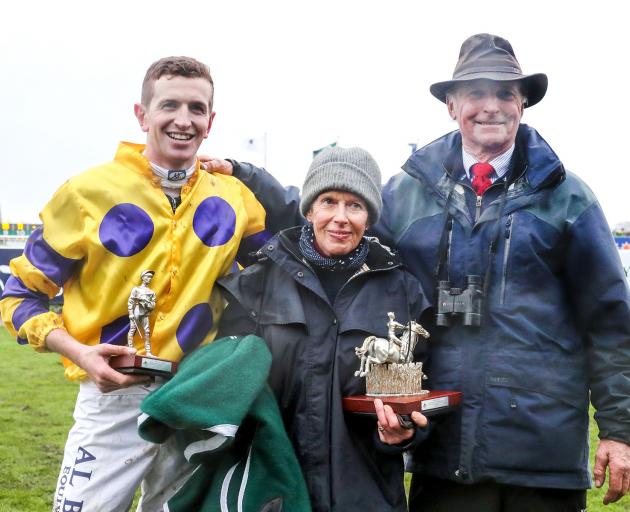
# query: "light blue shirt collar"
500, 163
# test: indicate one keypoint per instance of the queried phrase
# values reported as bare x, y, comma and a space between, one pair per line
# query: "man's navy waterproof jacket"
556, 316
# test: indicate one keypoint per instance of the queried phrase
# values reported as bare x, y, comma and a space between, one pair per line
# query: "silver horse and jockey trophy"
392, 375
140, 305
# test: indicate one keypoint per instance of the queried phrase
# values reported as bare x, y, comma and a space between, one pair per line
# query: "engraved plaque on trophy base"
144, 365
429, 404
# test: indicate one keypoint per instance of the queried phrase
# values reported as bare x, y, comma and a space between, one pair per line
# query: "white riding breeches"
105, 460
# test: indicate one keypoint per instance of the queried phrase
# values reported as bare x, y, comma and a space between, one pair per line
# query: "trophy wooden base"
143, 365
429, 404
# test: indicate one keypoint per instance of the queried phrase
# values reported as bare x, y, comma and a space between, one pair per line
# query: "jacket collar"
542, 166
132, 157
284, 249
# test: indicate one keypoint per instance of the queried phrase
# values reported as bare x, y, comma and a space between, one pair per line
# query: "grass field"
36, 405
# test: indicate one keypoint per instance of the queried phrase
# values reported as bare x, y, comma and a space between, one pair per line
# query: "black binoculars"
454, 302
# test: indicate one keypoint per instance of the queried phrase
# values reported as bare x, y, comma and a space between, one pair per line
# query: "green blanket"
227, 423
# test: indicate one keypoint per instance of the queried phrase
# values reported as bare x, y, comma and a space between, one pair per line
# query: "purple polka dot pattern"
194, 326
125, 229
214, 221
115, 333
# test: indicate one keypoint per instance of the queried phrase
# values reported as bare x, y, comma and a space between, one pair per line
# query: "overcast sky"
303, 73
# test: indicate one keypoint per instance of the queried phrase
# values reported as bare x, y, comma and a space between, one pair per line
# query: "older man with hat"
541, 322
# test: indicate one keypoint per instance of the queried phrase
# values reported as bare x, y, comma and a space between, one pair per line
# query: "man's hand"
390, 431
94, 360
212, 164
616, 456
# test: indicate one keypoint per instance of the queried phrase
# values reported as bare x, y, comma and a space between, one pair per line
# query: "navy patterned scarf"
351, 261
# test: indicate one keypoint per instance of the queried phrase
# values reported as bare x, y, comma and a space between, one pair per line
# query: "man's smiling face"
488, 114
176, 120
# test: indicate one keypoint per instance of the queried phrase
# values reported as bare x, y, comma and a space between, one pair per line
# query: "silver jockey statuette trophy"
140, 305
392, 375
387, 364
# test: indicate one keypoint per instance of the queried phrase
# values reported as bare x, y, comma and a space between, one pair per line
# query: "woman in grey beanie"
340, 196
348, 169
316, 293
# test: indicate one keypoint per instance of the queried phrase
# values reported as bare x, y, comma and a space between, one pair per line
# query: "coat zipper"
361, 272
506, 253
448, 247
477, 209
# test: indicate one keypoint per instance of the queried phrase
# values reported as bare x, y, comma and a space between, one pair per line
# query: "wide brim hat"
485, 56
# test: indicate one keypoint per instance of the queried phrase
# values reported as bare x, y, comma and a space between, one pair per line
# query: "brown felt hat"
491, 57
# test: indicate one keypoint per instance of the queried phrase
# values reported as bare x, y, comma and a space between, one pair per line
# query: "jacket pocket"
535, 418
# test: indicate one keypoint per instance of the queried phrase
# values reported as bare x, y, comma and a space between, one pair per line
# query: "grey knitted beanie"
349, 169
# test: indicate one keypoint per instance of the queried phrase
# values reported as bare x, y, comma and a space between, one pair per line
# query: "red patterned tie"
481, 177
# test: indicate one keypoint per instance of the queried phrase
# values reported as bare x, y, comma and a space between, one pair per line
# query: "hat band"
494, 69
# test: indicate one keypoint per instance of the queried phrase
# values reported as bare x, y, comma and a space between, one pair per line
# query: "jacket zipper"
506, 253
448, 248
477, 208
371, 270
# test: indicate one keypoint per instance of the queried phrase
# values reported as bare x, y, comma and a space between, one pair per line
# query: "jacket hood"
544, 167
